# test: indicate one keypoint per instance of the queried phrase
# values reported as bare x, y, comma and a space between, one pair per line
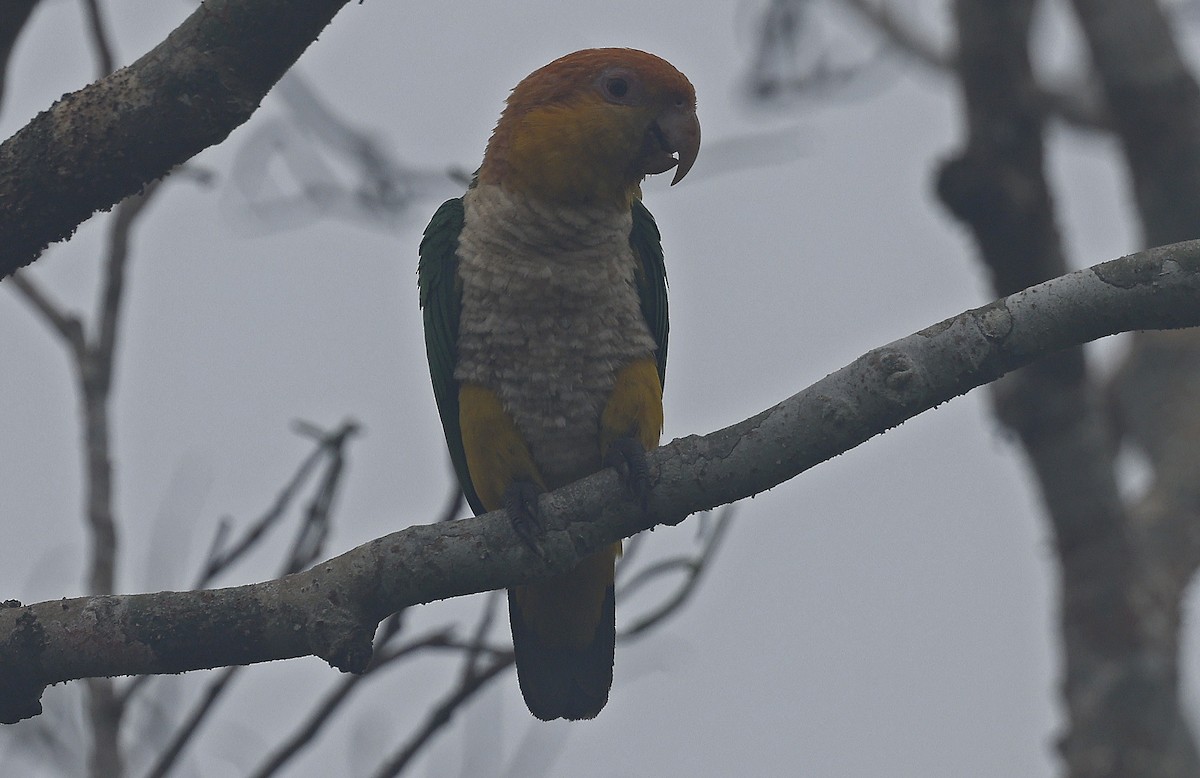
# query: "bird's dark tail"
564, 635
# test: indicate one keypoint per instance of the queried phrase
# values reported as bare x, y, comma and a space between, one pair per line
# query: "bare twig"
478, 640
1077, 104
109, 312
384, 656
220, 558
442, 714
306, 548
12, 21
95, 372
105, 62
379, 188
105, 706
898, 31
454, 502
94, 362
183, 735
314, 530
795, 58
693, 567
332, 702
67, 325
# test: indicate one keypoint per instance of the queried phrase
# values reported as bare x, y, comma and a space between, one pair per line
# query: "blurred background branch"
1124, 564
94, 360
12, 22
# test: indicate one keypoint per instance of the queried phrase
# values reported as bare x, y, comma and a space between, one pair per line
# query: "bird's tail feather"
564, 635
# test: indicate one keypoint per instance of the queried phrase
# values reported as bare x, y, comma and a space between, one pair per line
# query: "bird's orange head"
588, 127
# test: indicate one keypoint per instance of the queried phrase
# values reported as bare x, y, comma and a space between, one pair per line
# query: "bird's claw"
521, 502
628, 457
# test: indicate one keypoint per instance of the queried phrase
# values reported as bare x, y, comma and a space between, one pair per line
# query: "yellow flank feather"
496, 454
634, 407
563, 611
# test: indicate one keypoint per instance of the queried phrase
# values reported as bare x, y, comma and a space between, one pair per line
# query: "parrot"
544, 301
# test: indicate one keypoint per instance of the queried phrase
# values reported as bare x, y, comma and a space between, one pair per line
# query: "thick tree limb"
997, 186
332, 609
1155, 103
95, 147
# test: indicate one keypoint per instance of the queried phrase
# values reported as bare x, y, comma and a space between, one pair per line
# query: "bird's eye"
617, 87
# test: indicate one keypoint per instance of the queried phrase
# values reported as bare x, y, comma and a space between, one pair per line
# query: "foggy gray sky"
889, 613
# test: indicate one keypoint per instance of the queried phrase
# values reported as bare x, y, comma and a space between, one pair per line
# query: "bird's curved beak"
682, 131
673, 141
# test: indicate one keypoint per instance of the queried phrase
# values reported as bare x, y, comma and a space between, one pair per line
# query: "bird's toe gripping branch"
628, 457
521, 502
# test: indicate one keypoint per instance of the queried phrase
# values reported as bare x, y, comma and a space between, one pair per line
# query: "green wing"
651, 279
441, 302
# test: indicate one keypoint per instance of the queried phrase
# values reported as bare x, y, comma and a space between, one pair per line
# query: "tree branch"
67, 325
997, 186
94, 360
335, 698
305, 550
441, 714
166, 760
105, 61
332, 610
693, 567
12, 21
95, 147
109, 314
1155, 103
1075, 103
902, 34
